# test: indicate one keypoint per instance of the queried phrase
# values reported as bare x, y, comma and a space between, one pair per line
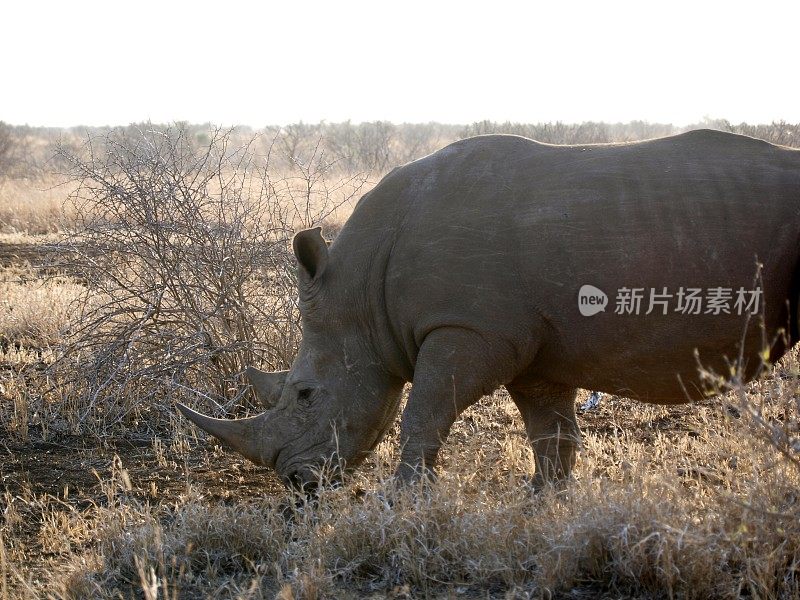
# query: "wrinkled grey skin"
460, 273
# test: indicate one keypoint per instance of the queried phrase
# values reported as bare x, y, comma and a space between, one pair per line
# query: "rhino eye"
304, 395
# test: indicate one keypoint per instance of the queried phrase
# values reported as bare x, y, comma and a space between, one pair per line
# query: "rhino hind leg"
548, 411
452, 372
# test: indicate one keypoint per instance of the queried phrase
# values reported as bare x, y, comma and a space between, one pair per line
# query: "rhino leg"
549, 414
452, 372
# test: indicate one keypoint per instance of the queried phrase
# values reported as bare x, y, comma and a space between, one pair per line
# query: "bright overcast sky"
257, 63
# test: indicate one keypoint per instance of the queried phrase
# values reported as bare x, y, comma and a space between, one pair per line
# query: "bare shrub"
296, 141
184, 250
366, 146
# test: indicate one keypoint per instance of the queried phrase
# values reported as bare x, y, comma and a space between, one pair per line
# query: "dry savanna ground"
106, 493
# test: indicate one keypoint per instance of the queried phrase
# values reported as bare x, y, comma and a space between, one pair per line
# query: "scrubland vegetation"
149, 264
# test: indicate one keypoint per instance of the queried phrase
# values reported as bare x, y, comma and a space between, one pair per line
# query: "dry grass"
34, 312
688, 502
33, 206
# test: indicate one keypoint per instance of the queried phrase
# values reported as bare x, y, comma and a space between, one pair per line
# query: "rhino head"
335, 403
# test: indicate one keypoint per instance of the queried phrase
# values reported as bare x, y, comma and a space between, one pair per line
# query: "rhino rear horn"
268, 386
246, 436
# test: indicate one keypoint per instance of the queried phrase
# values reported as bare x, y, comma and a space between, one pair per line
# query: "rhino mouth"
296, 471
302, 481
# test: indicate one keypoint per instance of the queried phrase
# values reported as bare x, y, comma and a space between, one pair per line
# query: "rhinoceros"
467, 270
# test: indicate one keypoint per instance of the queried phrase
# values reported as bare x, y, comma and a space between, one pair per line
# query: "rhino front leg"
549, 414
452, 372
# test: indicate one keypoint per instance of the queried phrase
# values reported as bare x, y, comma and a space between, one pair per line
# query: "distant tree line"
373, 147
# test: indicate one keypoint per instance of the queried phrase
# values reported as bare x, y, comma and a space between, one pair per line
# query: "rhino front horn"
246, 436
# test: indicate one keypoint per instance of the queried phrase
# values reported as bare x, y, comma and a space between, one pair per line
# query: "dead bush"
184, 250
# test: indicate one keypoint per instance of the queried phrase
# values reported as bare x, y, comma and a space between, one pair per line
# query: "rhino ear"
311, 251
268, 386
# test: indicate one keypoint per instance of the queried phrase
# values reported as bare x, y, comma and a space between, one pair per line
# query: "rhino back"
498, 233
